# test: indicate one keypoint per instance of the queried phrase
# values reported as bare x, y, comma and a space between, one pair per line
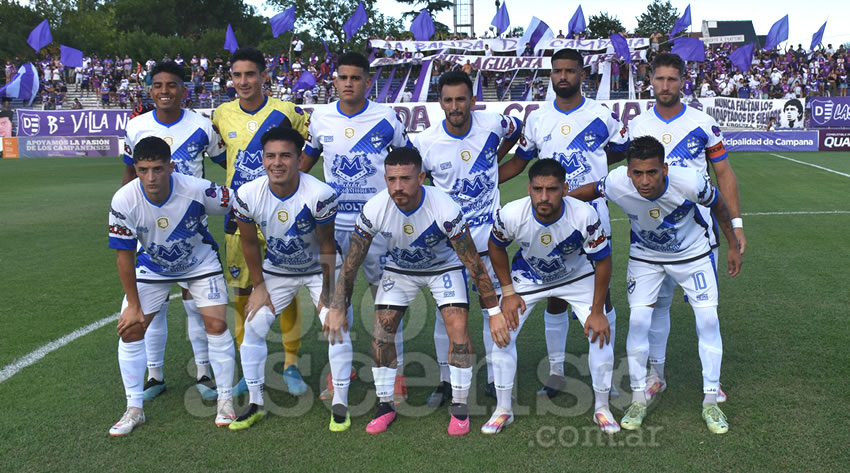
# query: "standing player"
692, 139
164, 215
429, 246
461, 155
584, 137
354, 137
241, 124
564, 254
669, 239
189, 135
295, 212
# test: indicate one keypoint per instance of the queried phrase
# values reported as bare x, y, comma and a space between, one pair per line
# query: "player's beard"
566, 92
673, 100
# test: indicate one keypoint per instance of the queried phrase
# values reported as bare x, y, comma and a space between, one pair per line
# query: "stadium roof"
732, 28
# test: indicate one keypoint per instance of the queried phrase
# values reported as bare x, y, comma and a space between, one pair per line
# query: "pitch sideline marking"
12, 368
810, 164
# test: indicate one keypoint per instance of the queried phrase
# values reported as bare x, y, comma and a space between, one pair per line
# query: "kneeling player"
165, 214
428, 246
563, 254
295, 212
669, 237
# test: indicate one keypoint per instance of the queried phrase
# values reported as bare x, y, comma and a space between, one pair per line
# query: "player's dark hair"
645, 147
547, 168
152, 148
250, 54
353, 59
568, 53
283, 133
454, 78
170, 67
404, 156
669, 60
794, 103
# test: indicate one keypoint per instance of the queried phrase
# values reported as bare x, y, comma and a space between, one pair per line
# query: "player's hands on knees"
734, 261
499, 330
598, 324
259, 297
335, 323
129, 317
512, 306
742, 239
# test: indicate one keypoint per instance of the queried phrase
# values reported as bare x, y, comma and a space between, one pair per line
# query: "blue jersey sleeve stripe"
122, 243
240, 217
518, 129
601, 254
497, 241
360, 232
720, 158
322, 221
312, 152
128, 160
526, 155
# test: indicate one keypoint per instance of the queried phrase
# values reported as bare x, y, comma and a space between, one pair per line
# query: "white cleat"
225, 414
132, 417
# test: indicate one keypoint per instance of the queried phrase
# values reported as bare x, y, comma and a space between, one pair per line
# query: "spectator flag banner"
742, 58
817, 37
70, 57
503, 45
689, 49
422, 26
40, 36
538, 34
577, 24
777, 34
355, 21
621, 47
327, 51
230, 43
501, 21
682, 23
283, 22
306, 81
24, 86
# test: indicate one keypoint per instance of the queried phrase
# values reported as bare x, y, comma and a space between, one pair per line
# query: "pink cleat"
458, 427
380, 423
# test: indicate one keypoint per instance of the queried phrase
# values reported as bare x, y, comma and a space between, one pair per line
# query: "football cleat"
206, 387
254, 414
633, 417
605, 420
153, 388
384, 416
715, 419
132, 418
497, 422
340, 418
294, 382
224, 414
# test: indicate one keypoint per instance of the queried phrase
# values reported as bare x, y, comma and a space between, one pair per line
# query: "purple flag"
621, 47
70, 57
385, 90
577, 24
230, 43
40, 36
537, 34
742, 58
327, 51
501, 21
682, 23
817, 37
355, 21
422, 26
283, 22
24, 86
777, 34
689, 49
306, 81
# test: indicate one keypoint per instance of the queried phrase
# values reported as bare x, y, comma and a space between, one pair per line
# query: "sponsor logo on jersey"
365, 221
702, 297
576, 166
128, 150
250, 165
120, 230
285, 247
546, 238
232, 134
323, 203
598, 241
547, 137
594, 227
142, 229
349, 133
351, 206
240, 202
448, 293
162, 222
654, 213
716, 130
666, 138
565, 130
327, 139
449, 226
465, 155
444, 166
630, 284
283, 216
353, 169
169, 256
117, 214
407, 228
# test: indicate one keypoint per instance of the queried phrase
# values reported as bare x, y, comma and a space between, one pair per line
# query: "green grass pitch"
784, 325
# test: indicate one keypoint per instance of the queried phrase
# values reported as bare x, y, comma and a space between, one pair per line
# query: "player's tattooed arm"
514, 166
721, 213
468, 254
357, 251
387, 320
327, 260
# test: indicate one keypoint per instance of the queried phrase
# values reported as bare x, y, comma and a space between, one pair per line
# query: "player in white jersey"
563, 253
164, 215
669, 238
585, 137
691, 139
429, 246
461, 155
295, 212
354, 138
190, 136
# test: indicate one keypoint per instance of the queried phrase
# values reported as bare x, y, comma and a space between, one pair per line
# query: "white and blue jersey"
467, 167
172, 237
354, 148
551, 253
288, 222
189, 137
418, 242
668, 229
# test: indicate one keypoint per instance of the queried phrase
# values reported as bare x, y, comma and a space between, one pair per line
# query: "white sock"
488, 345
504, 367
710, 347
155, 337
611, 315
223, 361
601, 364
198, 337
441, 346
557, 328
659, 329
340, 356
131, 361
709, 399
637, 350
461, 379
384, 382
254, 353
600, 400
399, 347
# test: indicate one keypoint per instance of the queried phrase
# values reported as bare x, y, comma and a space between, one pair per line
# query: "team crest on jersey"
234, 271
472, 193
162, 222
546, 238
666, 138
576, 166
664, 240
284, 247
283, 216
387, 283
250, 165
630, 284
654, 213
169, 140
590, 139
349, 133
377, 140
408, 229
353, 169
694, 146
465, 155
252, 126
565, 130
169, 256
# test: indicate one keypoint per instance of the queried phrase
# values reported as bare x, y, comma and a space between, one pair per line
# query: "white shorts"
398, 289
698, 279
376, 258
282, 289
576, 292
206, 292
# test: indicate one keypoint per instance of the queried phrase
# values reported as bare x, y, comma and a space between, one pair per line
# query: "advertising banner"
830, 112
92, 122
503, 63
60, 146
755, 113
503, 44
770, 140
834, 140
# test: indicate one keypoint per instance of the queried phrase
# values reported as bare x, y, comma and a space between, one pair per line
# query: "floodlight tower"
464, 16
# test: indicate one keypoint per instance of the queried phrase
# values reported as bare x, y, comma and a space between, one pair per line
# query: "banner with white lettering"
92, 122
503, 63
753, 113
60, 146
770, 140
502, 44
830, 112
